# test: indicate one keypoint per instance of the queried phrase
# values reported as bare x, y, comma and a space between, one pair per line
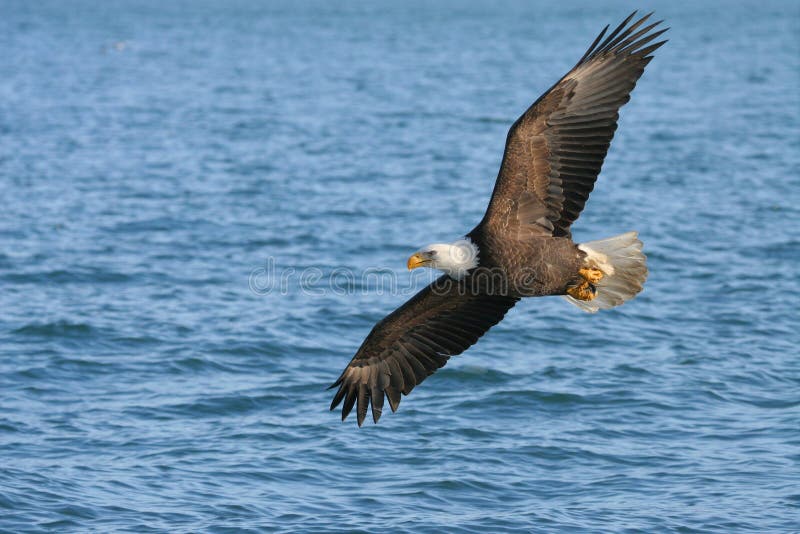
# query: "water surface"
154, 156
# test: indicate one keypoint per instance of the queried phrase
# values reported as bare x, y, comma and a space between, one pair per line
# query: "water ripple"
153, 159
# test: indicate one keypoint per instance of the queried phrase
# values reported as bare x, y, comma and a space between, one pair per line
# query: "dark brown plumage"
553, 156
554, 151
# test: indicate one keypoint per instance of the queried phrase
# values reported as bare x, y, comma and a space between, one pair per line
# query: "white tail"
624, 269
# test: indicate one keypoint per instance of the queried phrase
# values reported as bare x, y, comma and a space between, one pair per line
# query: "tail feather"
624, 269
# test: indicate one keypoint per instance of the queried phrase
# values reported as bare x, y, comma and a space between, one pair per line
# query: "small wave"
505, 399
489, 120
199, 364
222, 405
81, 275
56, 329
471, 373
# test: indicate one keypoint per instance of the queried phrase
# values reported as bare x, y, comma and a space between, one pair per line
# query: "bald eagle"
523, 245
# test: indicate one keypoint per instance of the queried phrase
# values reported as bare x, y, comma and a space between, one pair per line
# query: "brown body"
532, 267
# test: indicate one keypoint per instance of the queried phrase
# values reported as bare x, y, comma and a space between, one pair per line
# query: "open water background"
155, 155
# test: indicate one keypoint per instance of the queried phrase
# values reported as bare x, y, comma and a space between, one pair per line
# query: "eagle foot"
583, 291
593, 276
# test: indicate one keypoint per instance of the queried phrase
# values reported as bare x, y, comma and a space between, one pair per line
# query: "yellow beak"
416, 260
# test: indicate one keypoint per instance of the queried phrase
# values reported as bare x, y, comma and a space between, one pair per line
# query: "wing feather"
555, 150
411, 343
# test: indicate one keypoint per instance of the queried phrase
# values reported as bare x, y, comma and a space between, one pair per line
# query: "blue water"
163, 164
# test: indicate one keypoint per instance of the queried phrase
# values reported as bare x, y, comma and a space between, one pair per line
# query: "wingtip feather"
620, 39
591, 48
394, 398
337, 399
652, 48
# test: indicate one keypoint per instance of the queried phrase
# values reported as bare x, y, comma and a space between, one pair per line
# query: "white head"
455, 259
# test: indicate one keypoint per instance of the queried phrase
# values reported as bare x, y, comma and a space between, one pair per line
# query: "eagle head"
455, 259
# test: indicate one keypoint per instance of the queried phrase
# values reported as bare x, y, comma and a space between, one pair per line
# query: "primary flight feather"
522, 247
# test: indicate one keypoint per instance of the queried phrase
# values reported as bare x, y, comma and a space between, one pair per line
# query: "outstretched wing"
415, 340
555, 150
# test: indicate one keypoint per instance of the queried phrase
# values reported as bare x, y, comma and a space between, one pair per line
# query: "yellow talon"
593, 276
582, 291
585, 290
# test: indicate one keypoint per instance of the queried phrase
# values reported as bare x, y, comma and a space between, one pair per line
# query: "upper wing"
554, 151
415, 340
